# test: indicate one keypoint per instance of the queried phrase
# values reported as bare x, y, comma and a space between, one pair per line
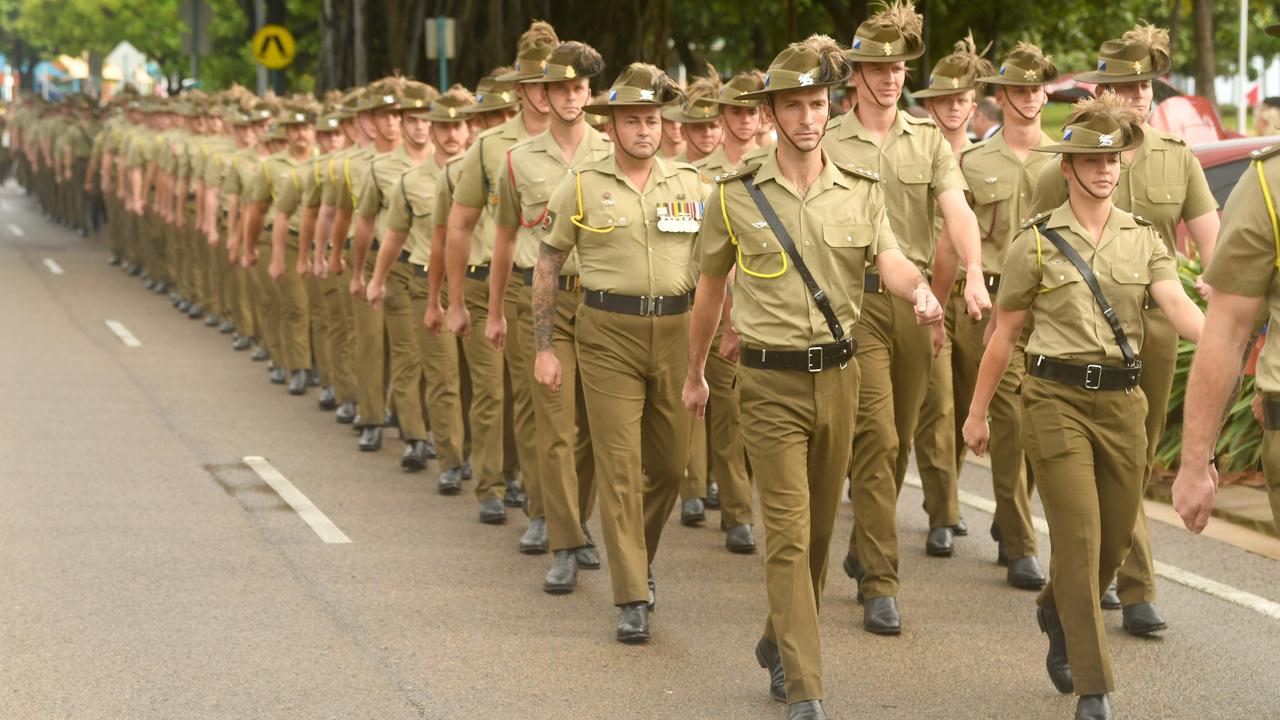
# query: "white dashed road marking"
300, 503
53, 266
17, 231
123, 333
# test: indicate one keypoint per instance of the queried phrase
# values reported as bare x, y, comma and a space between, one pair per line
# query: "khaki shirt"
1163, 184
281, 182
915, 165
1001, 187
375, 196
838, 227
625, 252
1244, 260
1069, 324
444, 191
352, 175
412, 202
477, 185
714, 165
532, 171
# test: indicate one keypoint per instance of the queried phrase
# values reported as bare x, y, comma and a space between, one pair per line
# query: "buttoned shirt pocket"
762, 254
1131, 273
993, 192
915, 173
852, 235
1167, 194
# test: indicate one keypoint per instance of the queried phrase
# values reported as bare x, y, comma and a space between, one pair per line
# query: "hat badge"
888, 49
506, 96
1137, 67
569, 72
1102, 65
857, 43
1066, 135
646, 95
1030, 74
479, 98
955, 83
388, 99
453, 112
1106, 140
805, 79
613, 95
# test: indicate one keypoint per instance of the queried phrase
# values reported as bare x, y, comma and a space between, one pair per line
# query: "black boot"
297, 382
328, 399
370, 438
1093, 707
562, 578
1056, 659
633, 623
346, 413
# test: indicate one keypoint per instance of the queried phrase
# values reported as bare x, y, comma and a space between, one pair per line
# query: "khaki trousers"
1271, 470
799, 432
339, 336
369, 360
293, 312
935, 439
440, 363
518, 352
1087, 449
485, 363
716, 451
1010, 482
566, 466
894, 356
263, 297
633, 370
1136, 581
319, 317
406, 360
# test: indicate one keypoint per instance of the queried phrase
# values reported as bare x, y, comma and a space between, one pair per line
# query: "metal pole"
195, 41
260, 19
1242, 109
444, 56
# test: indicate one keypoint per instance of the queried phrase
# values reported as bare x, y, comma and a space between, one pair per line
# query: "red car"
1190, 117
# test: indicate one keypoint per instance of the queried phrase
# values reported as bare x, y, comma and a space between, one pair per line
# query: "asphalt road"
149, 573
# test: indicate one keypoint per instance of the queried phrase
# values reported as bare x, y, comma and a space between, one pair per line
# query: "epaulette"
913, 120
1036, 220
737, 173
1142, 221
970, 148
861, 172
833, 122
1266, 152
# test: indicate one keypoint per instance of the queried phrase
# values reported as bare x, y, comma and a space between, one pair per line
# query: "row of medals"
680, 217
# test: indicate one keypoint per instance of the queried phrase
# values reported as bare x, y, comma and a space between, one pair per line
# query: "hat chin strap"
613, 118
1013, 106
1071, 161
871, 92
729, 130
778, 126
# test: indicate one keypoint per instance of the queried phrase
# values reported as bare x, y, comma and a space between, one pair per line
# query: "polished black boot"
770, 659
370, 438
534, 541
515, 496
941, 542
1055, 662
328, 399
1093, 707
562, 578
1142, 619
589, 554
633, 623
298, 382
346, 413
692, 512
1025, 574
412, 459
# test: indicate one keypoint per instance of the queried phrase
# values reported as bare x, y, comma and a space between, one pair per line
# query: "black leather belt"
643, 305
564, 282
1089, 377
419, 271
871, 283
478, 272
991, 281
815, 359
1270, 411
404, 256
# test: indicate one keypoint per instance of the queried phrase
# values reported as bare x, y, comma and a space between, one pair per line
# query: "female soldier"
1162, 182
1082, 403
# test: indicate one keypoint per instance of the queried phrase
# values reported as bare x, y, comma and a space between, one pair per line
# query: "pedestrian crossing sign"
273, 46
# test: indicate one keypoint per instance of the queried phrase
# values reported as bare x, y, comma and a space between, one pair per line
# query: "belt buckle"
1093, 377
651, 305
815, 359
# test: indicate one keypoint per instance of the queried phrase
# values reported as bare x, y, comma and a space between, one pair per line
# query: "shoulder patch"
860, 172
737, 173
1036, 220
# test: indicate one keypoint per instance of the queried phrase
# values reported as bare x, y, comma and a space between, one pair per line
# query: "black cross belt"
564, 282
642, 305
814, 359
1089, 377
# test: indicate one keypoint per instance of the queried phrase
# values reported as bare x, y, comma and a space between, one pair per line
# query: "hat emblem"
955, 83
646, 95
299, 117
767, 78
569, 72
857, 43
1102, 65
1030, 74
1137, 67
1106, 140
1066, 135
479, 98
613, 95
388, 99
506, 96
453, 112
888, 49
1002, 69
805, 79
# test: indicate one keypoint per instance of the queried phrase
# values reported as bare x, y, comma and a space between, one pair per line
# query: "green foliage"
1240, 444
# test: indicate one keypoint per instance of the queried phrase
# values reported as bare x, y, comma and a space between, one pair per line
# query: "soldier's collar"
830, 175
851, 126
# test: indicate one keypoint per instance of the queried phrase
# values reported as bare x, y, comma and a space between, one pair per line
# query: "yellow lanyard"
1271, 208
577, 219
734, 239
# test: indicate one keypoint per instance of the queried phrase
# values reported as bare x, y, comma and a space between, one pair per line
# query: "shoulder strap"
780, 231
1130, 358
1271, 207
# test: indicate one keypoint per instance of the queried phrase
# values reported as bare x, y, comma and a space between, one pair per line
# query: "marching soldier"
800, 227
1001, 174
468, 255
560, 503
1162, 182
698, 116
1081, 274
632, 218
919, 173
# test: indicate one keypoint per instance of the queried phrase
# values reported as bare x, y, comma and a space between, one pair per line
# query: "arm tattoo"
545, 275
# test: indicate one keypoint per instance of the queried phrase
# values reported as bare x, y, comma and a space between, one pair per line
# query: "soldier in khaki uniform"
632, 218
1001, 174
395, 315
699, 117
468, 255
1243, 275
1162, 182
717, 459
561, 501
919, 173
409, 231
950, 98
1083, 406
801, 247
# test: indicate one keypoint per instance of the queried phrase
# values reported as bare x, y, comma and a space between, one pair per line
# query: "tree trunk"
1204, 65
360, 55
326, 75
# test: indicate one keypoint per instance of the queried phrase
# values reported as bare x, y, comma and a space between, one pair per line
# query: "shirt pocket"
1131, 273
1166, 194
847, 236
915, 173
760, 254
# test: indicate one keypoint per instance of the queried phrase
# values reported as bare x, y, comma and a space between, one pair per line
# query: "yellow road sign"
273, 46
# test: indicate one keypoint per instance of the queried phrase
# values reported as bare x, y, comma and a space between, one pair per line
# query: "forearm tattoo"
545, 275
